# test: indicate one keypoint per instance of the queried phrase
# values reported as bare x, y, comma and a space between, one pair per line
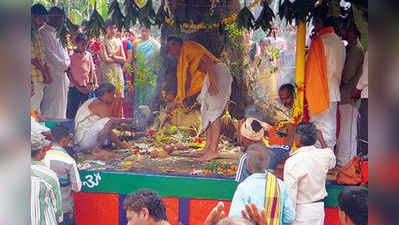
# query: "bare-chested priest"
199, 71
94, 122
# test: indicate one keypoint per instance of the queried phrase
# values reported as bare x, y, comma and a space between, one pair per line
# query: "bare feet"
104, 154
209, 156
202, 152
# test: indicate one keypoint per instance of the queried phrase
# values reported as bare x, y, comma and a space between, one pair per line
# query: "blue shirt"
252, 190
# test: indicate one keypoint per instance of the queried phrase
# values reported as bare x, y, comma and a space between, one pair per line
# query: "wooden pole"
300, 71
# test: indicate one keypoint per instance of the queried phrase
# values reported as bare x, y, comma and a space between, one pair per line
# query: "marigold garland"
200, 26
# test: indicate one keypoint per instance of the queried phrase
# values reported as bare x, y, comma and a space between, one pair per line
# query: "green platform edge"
177, 186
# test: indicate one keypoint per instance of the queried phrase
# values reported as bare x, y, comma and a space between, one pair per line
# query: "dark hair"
258, 157
307, 133
108, 23
320, 15
56, 11
81, 37
175, 39
38, 10
354, 202
289, 87
59, 132
85, 23
103, 88
256, 125
146, 198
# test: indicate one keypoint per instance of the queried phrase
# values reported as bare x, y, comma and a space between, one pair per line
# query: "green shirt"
46, 206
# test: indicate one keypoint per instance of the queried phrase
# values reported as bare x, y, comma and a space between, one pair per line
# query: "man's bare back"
101, 109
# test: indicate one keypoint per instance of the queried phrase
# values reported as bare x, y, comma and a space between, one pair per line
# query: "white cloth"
347, 141
326, 122
363, 83
212, 107
309, 214
87, 127
335, 58
55, 94
37, 99
36, 127
305, 174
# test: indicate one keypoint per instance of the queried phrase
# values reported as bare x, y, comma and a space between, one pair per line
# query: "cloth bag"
351, 173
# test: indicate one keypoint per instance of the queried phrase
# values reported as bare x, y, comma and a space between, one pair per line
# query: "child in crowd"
58, 160
81, 75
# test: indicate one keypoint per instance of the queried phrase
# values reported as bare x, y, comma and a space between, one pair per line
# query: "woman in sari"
147, 60
112, 55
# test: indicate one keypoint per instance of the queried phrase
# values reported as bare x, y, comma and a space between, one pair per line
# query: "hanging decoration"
131, 12
141, 3
66, 29
265, 18
146, 14
96, 24
161, 14
225, 21
116, 14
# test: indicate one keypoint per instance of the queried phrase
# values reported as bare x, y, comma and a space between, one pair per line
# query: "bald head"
258, 158
234, 221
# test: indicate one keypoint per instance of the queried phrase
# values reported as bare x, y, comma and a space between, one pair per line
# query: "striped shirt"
46, 206
58, 160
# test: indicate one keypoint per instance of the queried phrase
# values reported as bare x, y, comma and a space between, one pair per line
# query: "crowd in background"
64, 78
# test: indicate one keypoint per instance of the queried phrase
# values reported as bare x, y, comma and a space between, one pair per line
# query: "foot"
200, 153
104, 154
209, 156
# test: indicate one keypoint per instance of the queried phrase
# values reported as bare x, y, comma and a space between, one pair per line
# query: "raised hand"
252, 213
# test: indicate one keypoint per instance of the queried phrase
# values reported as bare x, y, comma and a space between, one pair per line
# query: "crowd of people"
93, 82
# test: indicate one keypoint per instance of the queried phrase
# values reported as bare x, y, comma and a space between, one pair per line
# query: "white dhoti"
309, 214
55, 97
36, 100
212, 107
347, 141
87, 127
326, 122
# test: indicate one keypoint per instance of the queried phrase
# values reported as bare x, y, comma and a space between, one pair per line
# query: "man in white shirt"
335, 55
305, 175
362, 91
55, 94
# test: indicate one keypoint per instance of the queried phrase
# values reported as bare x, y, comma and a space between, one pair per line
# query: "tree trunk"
243, 93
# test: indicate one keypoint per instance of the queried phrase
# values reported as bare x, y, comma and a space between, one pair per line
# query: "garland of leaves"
298, 10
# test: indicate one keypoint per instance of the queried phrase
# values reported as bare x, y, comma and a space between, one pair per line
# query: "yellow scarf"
316, 80
272, 200
189, 59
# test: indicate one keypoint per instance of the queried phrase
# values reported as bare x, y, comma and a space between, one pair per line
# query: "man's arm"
352, 64
321, 139
291, 181
291, 134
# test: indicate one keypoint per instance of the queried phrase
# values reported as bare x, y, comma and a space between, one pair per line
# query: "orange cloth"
274, 139
32, 113
316, 81
189, 59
